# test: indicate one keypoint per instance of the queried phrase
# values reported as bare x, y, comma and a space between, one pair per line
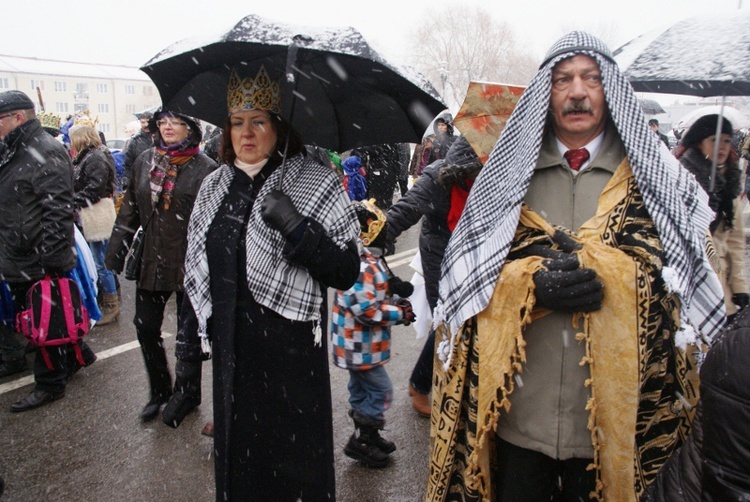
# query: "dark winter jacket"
212, 145
139, 143
442, 142
383, 171
713, 462
431, 198
36, 205
166, 234
94, 176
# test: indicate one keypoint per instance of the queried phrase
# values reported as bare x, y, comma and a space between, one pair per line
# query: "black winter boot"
369, 454
383, 444
160, 382
370, 428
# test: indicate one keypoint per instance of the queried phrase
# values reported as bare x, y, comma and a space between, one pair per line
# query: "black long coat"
271, 387
166, 234
713, 462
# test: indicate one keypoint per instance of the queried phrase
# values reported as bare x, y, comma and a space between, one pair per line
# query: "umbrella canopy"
700, 56
148, 112
484, 112
337, 92
651, 107
738, 119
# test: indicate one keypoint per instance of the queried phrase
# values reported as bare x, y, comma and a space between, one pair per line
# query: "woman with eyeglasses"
159, 197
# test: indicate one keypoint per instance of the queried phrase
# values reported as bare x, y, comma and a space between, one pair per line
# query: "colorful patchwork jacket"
362, 316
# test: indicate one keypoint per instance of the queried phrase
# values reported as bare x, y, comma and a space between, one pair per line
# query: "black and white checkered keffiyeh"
275, 282
678, 206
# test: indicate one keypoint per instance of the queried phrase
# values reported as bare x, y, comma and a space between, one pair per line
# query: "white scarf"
250, 169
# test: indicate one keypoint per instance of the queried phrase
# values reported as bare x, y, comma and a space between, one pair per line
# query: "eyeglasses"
171, 122
6, 116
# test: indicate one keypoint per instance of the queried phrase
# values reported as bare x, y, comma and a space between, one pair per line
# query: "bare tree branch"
458, 45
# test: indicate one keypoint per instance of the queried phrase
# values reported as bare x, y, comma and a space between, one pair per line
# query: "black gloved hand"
409, 315
400, 287
563, 241
742, 300
564, 286
279, 212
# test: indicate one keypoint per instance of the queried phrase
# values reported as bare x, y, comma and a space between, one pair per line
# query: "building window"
104, 128
37, 83
61, 107
80, 108
101, 88
3, 83
148, 90
129, 89
103, 107
61, 86
129, 108
82, 92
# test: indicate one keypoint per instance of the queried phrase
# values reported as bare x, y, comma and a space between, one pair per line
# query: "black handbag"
135, 253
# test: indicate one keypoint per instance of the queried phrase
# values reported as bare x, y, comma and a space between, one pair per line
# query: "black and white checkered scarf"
275, 282
677, 204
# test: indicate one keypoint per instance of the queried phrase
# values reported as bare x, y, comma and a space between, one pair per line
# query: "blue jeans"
370, 391
106, 277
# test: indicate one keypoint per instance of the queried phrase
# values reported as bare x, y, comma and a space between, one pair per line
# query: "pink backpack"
46, 326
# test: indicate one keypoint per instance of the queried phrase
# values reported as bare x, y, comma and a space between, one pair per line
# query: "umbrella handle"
715, 156
291, 62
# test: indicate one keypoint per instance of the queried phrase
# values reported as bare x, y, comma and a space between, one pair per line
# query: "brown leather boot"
420, 402
110, 309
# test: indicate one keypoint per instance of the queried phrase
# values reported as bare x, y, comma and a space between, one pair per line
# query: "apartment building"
111, 93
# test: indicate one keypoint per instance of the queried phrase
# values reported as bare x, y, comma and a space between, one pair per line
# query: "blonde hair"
82, 137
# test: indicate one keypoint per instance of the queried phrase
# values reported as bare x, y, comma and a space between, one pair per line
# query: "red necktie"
576, 158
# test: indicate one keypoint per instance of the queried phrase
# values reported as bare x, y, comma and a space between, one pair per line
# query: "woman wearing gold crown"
159, 198
258, 262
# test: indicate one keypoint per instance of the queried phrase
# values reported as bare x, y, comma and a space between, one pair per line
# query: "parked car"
116, 144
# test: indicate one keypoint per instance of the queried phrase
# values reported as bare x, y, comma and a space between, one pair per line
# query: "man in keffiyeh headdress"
573, 293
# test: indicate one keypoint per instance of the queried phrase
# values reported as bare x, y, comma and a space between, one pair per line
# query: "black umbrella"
337, 91
651, 107
700, 56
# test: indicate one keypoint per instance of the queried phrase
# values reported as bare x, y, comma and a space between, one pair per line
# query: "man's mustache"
577, 107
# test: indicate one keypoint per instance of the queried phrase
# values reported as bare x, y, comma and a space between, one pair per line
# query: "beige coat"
549, 404
730, 248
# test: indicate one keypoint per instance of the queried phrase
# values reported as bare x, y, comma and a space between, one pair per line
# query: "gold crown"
85, 120
260, 93
373, 226
49, 120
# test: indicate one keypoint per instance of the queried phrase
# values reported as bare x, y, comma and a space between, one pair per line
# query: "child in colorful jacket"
361, 331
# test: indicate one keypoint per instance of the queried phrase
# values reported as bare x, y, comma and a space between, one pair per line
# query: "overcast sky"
130, 32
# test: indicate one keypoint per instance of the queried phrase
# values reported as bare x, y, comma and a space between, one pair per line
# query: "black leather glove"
564, 286
187, 392
563, 241
742, 300
279, 212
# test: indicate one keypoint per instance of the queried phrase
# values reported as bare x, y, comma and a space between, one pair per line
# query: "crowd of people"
586, 287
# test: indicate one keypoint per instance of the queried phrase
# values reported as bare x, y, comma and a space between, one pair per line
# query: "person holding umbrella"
695, 153
159, 198
271, 229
